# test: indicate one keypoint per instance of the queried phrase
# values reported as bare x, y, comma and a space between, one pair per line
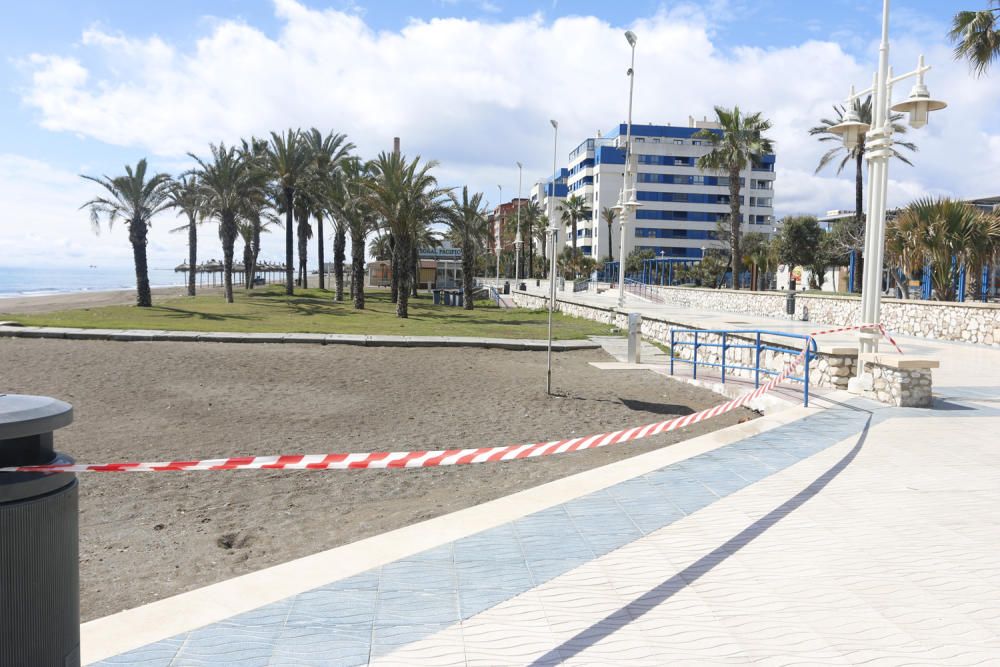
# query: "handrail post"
756, 379
694, 367
723, 357
671, 351
805, 393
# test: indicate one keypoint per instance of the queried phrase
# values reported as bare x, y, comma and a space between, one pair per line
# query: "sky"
91, 85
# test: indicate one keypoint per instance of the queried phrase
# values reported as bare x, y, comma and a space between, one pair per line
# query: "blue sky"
69, 69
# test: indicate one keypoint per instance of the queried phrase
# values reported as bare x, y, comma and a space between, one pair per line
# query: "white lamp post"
517, 237
626, 200
878, 150
496, 232
553, 239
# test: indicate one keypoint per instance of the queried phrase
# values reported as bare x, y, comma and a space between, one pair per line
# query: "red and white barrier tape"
426, 459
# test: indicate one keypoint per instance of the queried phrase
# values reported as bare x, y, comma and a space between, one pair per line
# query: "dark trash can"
447, 298
523, 286
538, 282
459, 299
790, 303
506, 287
39, 538
436, 294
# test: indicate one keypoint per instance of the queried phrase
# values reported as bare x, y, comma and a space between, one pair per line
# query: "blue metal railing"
643, 290
747, 339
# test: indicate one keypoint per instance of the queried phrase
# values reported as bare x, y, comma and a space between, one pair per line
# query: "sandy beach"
47, 303
148, 536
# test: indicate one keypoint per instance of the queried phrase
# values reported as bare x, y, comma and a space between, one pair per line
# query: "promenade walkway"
845, 533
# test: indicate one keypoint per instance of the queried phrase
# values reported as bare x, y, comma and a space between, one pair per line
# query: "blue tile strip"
379, 611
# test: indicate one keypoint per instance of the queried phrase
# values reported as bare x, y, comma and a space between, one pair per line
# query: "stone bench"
898, 379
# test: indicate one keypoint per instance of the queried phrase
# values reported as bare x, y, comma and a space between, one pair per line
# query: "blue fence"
746, 339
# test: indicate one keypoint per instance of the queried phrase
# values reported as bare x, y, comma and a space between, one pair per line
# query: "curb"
151, 335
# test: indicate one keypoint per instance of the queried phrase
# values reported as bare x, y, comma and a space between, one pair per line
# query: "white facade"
680, 205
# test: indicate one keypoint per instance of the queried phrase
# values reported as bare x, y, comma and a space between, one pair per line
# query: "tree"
755, 253
227, 181
977, 37
184, 195
574, 209
798, 241
531, 215
573, 263
288, 160
135, 200
633, 263
468, 230
850, 235
328, 153
349, 204
257, 210
608, 215
741, 143
405, 194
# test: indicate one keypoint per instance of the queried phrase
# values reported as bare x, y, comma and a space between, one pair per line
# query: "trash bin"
447, 298
459, 299
790, 303
506, 287
538, 282
436, 294
523, 286
39, 538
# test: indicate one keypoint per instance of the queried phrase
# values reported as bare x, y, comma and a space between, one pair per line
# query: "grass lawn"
268, 310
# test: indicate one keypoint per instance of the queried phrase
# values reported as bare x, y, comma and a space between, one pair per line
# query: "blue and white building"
680, 204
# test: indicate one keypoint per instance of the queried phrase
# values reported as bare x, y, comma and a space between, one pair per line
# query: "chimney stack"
395, 145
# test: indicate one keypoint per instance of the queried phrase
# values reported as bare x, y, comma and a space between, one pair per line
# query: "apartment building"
680, 205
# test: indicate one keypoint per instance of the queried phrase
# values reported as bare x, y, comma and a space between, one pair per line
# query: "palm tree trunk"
402, 259
137, 235
339, 245
357, 271
255, 254
228, 241
611, 241
468, 268
303, 251
415, 269
393, 270
289, 244
319, 251
735, 223
192, 254
573, 228
247, 261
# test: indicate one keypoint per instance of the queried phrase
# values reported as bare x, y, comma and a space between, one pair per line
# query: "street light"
878, 150
553, 239
517, 238
626, 199
496, 230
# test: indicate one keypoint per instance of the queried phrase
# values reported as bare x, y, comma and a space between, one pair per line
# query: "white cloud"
478, 95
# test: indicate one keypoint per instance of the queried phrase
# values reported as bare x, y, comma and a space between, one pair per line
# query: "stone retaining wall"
968, 322
827, 370
907, 388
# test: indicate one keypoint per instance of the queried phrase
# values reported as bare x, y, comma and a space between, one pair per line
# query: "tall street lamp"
553, 239
878, 150
496, 230
626, 200
517, 238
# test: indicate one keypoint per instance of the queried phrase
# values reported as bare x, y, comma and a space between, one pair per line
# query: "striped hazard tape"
445, 457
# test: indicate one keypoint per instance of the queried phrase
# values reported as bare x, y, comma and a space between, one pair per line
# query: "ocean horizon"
42, 281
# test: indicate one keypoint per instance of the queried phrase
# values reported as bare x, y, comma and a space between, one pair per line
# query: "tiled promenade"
849, 533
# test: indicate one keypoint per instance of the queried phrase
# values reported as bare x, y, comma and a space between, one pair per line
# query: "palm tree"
380, 248
227, 181
328, 153
608, 215
976, 37
305, 201
531, 215
945, 231
854, 237
184, 195
348, 204
741, 143
574, 209
258, 208
288, 160
135, 200
406, 196
468, 230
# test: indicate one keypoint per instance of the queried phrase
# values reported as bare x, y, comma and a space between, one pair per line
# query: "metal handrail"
758, 345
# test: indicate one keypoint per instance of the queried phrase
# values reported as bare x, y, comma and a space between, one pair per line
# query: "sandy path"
147, 536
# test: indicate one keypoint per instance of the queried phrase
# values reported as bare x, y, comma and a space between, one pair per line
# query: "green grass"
268, 310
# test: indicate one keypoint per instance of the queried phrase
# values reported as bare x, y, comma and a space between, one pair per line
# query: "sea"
19, 281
